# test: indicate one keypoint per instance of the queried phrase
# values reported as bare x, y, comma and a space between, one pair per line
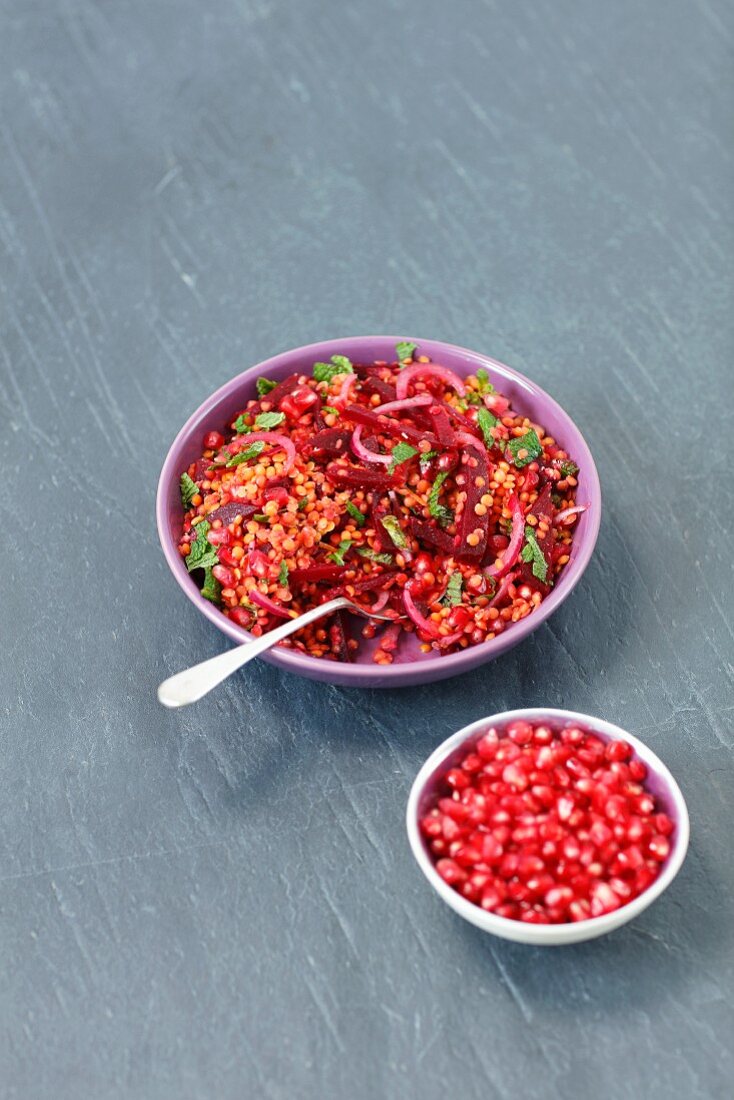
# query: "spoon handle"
195, 682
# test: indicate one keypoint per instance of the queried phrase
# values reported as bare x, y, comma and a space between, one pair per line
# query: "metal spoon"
195, 682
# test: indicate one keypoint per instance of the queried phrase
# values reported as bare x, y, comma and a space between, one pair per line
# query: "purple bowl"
410, 666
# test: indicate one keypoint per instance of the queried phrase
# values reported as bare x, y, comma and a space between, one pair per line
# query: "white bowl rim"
573, 932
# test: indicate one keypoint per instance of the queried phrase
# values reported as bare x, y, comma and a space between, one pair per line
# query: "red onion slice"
361, 451
427, 625
406, 403
561, 516
447, 376
276, 440
512, 552
268, 605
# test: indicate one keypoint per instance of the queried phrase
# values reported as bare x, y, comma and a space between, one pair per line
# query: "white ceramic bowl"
659, 782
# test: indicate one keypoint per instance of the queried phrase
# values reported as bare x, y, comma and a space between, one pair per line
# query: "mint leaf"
265, 421
531, 552
568, 468
486, 422
485, 386
241, 426
324, 372
440, 512
395, 531
302, 505
529, 443
401, 452
404, 350
337, 556
261, 517
374, 555
358, 517
188, 490
425, 459
202, 554
211, 589
283, 574
264, 385
252, 451
452, 595
329, 409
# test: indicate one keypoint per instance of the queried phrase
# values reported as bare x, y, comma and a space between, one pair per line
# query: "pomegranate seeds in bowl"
547, 826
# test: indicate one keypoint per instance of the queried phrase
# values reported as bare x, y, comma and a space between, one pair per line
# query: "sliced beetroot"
388, 425
379, 509
228, 512
273, 399
543, 509
430, 534
473, 528
442, 426
330, 441
354, 477
316, 574
338, 638
372, 384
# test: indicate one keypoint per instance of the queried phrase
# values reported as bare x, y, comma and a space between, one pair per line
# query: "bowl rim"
389, 675
573, 932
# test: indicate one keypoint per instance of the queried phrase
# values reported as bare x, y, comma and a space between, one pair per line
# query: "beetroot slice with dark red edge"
474, 469
432, 535
228, 512
543, 508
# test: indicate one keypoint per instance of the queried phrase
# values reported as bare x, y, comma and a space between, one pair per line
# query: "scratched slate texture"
221, 902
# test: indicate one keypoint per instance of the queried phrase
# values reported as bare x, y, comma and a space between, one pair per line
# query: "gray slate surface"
221, 902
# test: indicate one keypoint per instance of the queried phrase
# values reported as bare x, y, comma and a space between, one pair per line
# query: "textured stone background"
221, 902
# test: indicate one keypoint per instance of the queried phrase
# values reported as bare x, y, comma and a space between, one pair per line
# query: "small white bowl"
659, 782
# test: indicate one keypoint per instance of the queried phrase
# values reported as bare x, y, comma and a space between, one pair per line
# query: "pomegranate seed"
659, 847
219, 537
224, 575
213, 441
520, 732
241, 616
450, 872
544, 826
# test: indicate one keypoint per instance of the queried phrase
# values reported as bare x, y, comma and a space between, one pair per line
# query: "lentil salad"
416, 493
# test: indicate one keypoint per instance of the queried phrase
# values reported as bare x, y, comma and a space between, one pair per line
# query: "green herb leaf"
188, 490
452, 595
241, 426
486, 422
528, 442
485, 386
330, 409
337, 556
303, 504
261, 517
202, 554
283, 574
252, 451
395, 531
425, 458
568, 468
374, 555
264, 385
211, 589
265, 421
404, 350
324, 372
471, 397
439, 511
359, 518
532, 552
401, 452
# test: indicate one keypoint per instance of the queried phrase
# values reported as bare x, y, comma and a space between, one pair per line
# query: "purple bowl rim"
456, 662
677, 809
